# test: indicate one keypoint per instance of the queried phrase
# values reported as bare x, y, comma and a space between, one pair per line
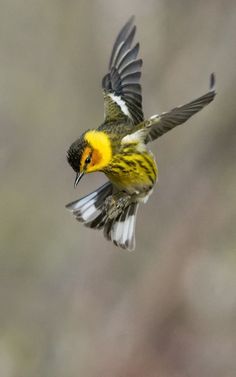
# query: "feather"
160, 124
123, 78
89, 209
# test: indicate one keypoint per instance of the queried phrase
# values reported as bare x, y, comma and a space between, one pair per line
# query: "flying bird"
119, 146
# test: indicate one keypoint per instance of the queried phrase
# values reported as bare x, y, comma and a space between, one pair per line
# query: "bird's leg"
116, 203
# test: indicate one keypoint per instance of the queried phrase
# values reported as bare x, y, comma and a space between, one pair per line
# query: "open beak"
78, 178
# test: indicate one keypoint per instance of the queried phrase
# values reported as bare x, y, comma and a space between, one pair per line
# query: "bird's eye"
88, 160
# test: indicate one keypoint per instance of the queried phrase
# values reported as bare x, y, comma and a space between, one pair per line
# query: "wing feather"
131, 67
120, 38
160, 124
121, 85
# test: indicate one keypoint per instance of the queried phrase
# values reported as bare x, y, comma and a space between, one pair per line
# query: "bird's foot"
116, 203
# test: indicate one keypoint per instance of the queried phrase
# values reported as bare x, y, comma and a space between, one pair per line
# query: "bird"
118, 147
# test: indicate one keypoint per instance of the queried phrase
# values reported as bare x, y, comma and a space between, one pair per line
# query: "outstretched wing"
122, 90
160, 124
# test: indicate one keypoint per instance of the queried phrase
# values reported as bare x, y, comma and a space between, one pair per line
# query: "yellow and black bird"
118, 147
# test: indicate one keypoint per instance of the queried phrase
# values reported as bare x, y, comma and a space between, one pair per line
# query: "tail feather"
98, 222
121, 230
90, 211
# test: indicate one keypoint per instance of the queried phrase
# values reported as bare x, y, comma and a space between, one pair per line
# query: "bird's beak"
78, 178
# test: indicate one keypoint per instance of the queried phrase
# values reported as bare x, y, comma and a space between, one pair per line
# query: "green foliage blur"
73, 304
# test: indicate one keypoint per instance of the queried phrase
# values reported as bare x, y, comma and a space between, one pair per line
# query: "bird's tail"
121, 229
90, 210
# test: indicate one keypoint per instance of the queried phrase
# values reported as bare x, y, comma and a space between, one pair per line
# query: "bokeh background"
73, 304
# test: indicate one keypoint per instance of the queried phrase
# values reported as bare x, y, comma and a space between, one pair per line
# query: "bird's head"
91, 152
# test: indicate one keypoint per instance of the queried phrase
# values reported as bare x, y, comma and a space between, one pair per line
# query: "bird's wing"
121, 86
162, 123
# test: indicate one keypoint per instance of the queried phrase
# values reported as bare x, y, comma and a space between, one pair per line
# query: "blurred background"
73, 304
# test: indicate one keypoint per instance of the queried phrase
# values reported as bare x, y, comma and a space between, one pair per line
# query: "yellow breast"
133, 172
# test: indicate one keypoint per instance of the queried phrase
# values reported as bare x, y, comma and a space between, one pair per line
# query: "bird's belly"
135, 174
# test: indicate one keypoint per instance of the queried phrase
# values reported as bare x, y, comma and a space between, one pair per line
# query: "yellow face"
97, 154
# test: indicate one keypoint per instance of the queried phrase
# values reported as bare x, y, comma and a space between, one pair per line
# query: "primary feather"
122, 82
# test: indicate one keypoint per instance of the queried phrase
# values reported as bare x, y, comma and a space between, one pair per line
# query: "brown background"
71, 303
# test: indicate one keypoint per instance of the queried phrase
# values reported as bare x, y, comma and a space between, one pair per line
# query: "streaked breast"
133, 171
